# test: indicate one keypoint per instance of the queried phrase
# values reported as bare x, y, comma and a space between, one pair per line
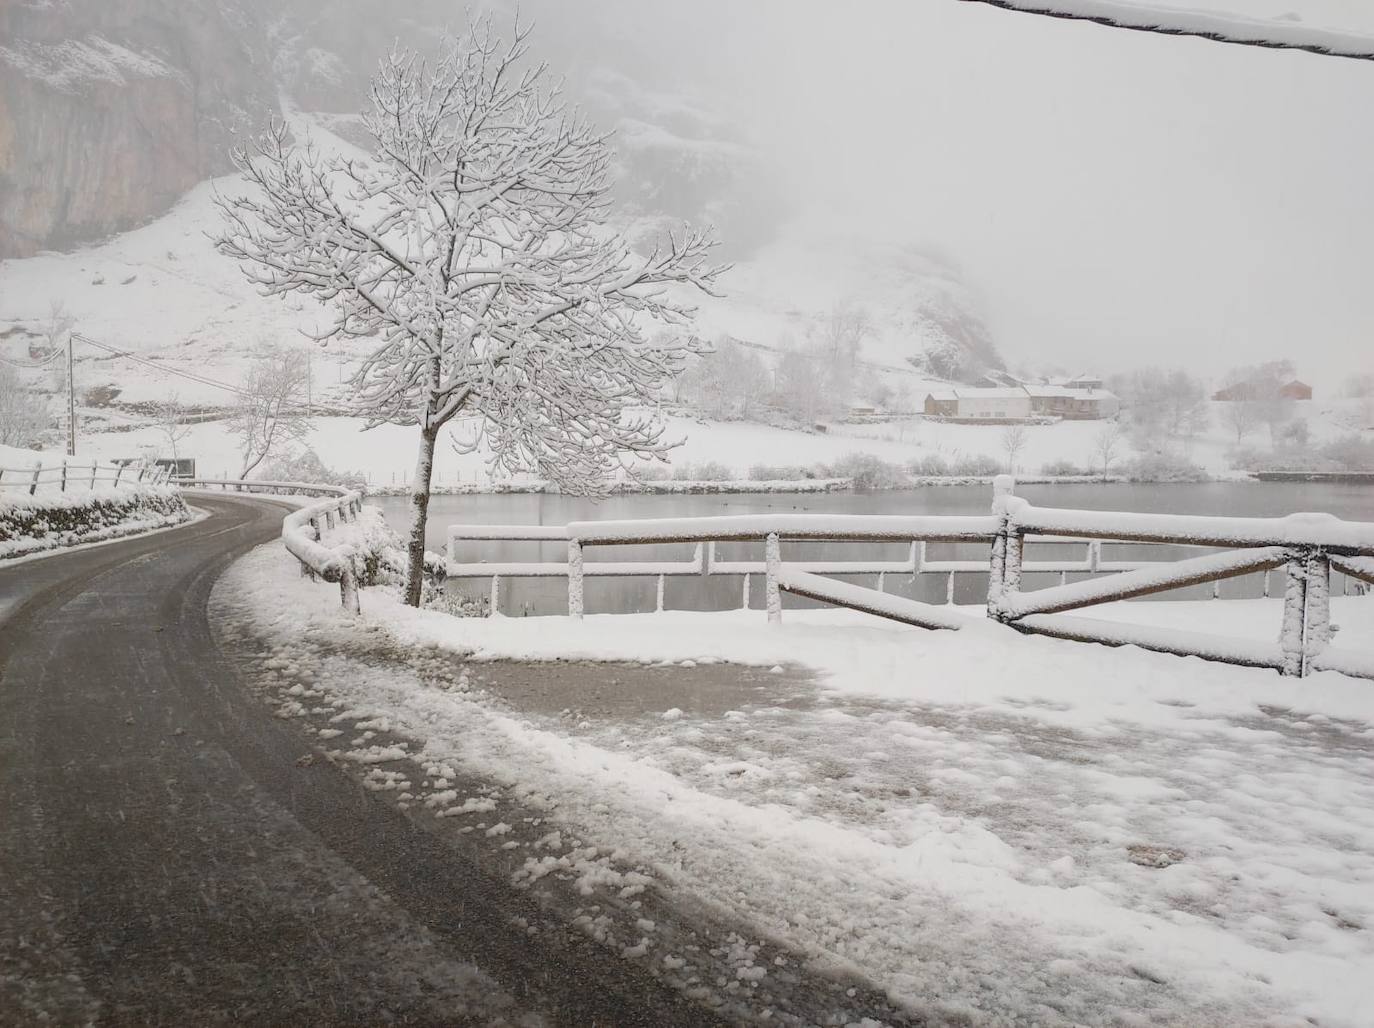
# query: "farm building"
1020, 403
966, 404
1075, 404
1293, 390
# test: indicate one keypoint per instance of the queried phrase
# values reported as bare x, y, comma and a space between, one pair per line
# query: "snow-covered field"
992, 828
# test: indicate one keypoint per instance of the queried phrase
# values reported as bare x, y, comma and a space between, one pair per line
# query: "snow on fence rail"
302, 530
1307, 545
69, 475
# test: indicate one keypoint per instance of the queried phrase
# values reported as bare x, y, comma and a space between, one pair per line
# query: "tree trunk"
419, 515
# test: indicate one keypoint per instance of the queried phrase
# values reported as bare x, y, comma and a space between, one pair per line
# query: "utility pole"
71, 397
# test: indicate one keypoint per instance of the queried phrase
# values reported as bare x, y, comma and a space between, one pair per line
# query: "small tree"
270, 416
1242, 416
800, 385
1013, 442
473, 243
23, 414
1106, 444
170, 418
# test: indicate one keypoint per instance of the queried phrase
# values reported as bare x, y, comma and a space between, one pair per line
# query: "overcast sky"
1116, 197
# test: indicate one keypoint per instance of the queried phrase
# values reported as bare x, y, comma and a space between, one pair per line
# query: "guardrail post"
348, 590
658, 602
1306, 611
744, 596
575, 579
772, 559
494, 605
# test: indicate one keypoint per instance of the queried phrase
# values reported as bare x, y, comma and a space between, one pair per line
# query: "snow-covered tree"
473, 245
170, 417
1014, 439
1106, 444
23, 413
270, 413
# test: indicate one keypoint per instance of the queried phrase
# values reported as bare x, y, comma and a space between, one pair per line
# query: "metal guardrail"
80, 476
302, 530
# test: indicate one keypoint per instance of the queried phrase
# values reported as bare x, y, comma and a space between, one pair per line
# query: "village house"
1021, 403
1073, 403
967, 404
1293, 390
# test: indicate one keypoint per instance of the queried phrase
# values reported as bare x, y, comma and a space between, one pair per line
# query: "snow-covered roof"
1002, 393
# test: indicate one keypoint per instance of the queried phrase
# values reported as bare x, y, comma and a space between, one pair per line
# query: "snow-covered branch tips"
473, 246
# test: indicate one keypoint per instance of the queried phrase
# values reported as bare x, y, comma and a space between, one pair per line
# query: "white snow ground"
993, 828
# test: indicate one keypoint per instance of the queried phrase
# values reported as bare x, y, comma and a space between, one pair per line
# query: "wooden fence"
1308, 546
69, 475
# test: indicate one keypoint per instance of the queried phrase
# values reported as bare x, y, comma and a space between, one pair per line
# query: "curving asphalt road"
165, 861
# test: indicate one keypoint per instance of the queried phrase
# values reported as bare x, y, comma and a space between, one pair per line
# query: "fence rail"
70, 476
1308, 546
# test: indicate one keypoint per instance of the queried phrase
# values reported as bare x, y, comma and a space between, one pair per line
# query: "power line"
32, 367
1219, 28
189, 375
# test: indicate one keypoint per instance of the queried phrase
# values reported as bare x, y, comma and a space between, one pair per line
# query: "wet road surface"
165, 860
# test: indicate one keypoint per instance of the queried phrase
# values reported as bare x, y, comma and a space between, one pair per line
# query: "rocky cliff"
111, 109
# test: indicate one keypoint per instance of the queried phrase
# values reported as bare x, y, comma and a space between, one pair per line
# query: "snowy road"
168, 857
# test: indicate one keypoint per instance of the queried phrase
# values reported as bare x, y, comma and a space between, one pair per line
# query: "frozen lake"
624, 595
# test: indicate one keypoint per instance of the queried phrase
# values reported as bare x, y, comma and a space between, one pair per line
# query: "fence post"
329, 520
33, 485
119, 470
63, 486
1293, 635
658, 602
744, 598
772, 559
348, 589
495, 602
1318, 616
1003, 489
575, 579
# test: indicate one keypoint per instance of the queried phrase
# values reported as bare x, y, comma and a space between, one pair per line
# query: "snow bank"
29, 524
992, 828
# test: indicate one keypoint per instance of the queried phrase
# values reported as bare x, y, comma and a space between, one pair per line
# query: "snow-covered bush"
1349, 453
1162, 467
781, 473
706, 471
868, 472
930, 465
29, 524
1064, 469
377, 553
307, 466
976, 464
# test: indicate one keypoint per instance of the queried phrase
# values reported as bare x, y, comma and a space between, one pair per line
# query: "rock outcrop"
111, 109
